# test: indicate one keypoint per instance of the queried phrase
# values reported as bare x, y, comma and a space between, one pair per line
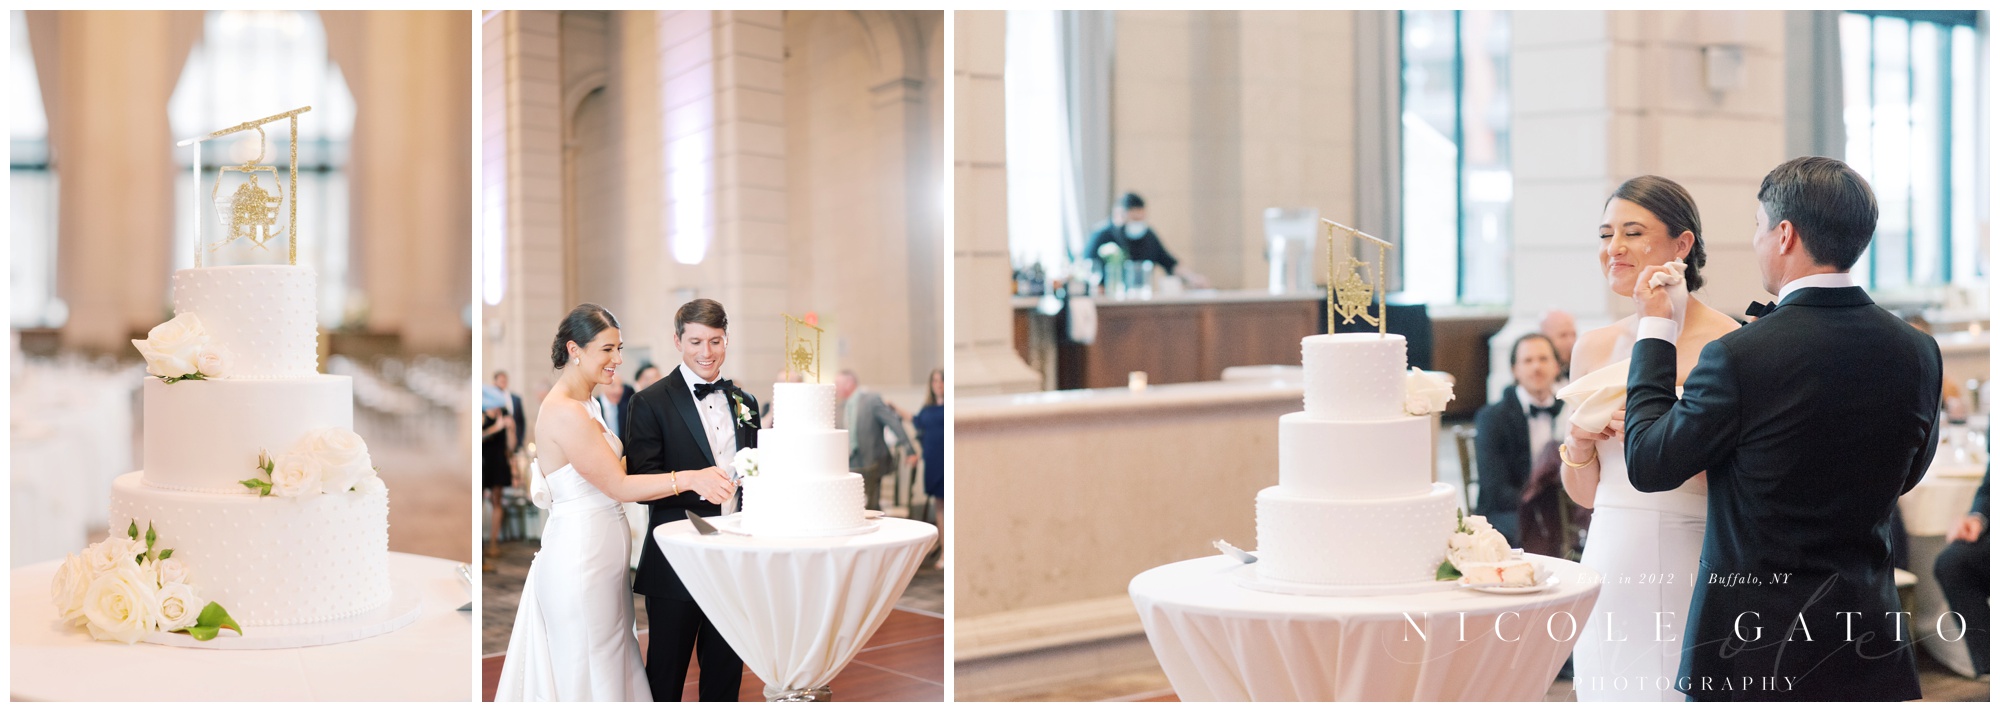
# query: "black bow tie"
1536, 411
1759, 309
701, 390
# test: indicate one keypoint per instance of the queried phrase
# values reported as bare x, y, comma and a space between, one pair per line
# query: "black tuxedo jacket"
665, 434
1502, 453
1810, 423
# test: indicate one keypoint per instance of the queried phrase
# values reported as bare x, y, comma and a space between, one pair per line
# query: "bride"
573, 638
1647, 546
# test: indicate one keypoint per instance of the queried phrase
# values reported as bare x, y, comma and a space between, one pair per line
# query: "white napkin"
1593, 398
1083, 320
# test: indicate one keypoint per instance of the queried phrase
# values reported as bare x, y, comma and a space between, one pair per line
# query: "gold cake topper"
251, 212
802, 341
1349, 290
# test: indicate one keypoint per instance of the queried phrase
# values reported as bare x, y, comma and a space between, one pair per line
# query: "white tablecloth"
429, 660
1929, 511
1219, 641
71, 436
797, 610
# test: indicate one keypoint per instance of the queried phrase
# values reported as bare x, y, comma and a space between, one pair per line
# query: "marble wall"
1218, 115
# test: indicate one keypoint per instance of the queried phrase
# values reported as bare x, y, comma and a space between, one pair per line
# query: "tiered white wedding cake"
802, 487
253, 475
1355, 511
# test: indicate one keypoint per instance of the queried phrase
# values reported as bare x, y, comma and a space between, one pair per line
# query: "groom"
1810, 422
690, 424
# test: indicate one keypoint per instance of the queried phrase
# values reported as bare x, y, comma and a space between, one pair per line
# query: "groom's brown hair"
706, 312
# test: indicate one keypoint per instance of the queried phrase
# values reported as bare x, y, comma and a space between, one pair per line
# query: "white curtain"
1813, 85
1089, 40
1379, 107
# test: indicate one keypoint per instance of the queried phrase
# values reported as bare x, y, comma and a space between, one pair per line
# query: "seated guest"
1513, 429
1128, 230
1560, 327
1962, 572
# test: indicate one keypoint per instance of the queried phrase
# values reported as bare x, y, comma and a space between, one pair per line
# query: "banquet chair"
1468, 470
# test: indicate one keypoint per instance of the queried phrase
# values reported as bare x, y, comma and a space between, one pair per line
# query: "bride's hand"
1617, 427
712, 484
1586, 441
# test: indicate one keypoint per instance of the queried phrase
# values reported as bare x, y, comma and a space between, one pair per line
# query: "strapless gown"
573, 637
1647, 546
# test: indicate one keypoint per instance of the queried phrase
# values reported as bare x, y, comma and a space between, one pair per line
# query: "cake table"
430, 659
1220, 641
796, 610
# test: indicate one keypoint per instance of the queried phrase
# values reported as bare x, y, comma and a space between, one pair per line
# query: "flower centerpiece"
325, 461
746, 462
123, 589
179, 350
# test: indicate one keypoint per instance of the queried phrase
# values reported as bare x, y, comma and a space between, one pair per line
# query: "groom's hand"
1653, 301
713, 484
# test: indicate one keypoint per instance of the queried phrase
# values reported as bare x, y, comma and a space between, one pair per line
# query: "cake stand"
1220, 641
428, 658
796, 610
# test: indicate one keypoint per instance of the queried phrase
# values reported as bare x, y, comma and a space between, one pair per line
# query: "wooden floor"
903, 662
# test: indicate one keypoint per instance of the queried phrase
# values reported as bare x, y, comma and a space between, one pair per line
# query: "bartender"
1128, 230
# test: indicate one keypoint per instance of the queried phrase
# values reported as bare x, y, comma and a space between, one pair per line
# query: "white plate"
1541, 574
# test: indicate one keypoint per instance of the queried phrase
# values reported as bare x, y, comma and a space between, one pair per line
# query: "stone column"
983, 358
523, 157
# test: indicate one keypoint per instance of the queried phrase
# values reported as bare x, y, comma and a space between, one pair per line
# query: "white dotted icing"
263, 316
1354, 376
803, 506
1332, 542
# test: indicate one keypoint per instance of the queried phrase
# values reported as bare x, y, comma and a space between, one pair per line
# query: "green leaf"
1446, 572
265, 463
166, 554
213, 615
200, 632
151, 536
133, 531
263, 487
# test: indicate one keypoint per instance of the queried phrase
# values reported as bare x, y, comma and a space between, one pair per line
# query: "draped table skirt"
1219, 641
797, 610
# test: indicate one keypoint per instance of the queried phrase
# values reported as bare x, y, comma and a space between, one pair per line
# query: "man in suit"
1810, 423
615, 401
1962, 571
514, 407
1560, 327
863, 415
1513, 430
690, 423
1128, 230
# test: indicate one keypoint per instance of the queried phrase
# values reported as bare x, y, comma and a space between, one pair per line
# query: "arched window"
251, 64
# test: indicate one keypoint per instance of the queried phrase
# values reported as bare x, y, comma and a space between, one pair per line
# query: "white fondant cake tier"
270, 560
1342, 542
802, 506
263, 317
802, 406
788, 453
1331, 459
1354, 376
204, 436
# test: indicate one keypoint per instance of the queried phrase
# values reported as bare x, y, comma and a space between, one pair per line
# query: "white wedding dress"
573, 639
1647, 546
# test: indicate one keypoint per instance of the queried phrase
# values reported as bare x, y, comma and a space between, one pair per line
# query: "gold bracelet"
1562, 453
677, 482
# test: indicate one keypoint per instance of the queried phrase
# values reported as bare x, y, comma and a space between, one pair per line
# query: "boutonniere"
744, 418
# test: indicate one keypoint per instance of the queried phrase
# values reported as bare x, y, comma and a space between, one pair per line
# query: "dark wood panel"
1258, 334
1162, 341
1462, 351
1184, 342
1023, 340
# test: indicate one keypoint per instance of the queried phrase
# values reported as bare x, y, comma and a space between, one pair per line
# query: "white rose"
746, 461
1424, 393
172, 571
67, 589
342, 455
171, 349
1486, 547
120, 606
115, 552
212, 363
296, 476
370, 485
178, 606
1478, 524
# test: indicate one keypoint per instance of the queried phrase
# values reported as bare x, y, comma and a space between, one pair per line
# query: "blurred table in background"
71, 423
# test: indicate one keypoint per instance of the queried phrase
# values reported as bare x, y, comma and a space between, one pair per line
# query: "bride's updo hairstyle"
583, 324
1671, 203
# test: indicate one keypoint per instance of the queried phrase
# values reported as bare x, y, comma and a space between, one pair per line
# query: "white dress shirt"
1659, 327
1540, 429
719, 424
